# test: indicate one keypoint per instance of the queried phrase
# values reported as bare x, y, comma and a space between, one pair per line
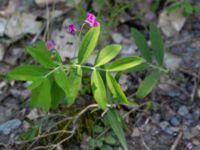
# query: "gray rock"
7, 127
163, 125
2, 51
183, 111
169, 130
196, 148
196, 115
175, 121
2, 26
156, 118
117, 38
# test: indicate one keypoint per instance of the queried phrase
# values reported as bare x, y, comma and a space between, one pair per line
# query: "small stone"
169, 130
172, 61
2, 51
183, 111
136, 133
163, 125
196, 148
117, 38
196, 115
156, 118
175, 121
129, 49
186, 134
13, 55
198, 92
3, 23
196, 141
189, 145
9, 126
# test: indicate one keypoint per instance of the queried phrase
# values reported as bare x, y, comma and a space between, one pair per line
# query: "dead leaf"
171, 23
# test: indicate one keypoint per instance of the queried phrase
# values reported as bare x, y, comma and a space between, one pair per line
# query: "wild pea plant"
52, 81
187, 7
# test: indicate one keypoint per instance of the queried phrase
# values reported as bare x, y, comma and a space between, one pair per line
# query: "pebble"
117, 38
196, 115
156, 118
175, 121
9, 126
189, 145
163, 125
183, 111
169, 131
196, 141
136, 133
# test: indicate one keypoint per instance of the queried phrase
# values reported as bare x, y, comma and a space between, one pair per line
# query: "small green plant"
53, 82
187, 7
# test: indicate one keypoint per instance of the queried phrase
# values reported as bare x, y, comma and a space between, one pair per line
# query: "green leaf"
115, 88
188, 9
98, 89
41, 95
110, 140
88, 44
148, 84
115, 123
35, 84
124, 63
74, 80
157, 43
141, 44
173, 7
41, 54
107, 54
106, 147
94, 143
98, 129
27, 73
57, 94
30, 134
70, 84
140, 67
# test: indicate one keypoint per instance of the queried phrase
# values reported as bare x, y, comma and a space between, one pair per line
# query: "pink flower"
91, 20
50, 45
71, 28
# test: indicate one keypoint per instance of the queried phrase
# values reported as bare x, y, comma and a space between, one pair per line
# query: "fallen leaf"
171, 23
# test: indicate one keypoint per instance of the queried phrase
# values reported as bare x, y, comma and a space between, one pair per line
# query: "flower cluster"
50, 45
71, 28
90, 20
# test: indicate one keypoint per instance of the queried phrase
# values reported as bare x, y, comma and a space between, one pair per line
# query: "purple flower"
71, 28
91, 20
50, 45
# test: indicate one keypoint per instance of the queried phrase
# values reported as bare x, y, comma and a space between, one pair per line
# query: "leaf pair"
70, 83
41, 54
157, 45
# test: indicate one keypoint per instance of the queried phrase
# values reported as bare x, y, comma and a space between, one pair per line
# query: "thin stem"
99, 69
